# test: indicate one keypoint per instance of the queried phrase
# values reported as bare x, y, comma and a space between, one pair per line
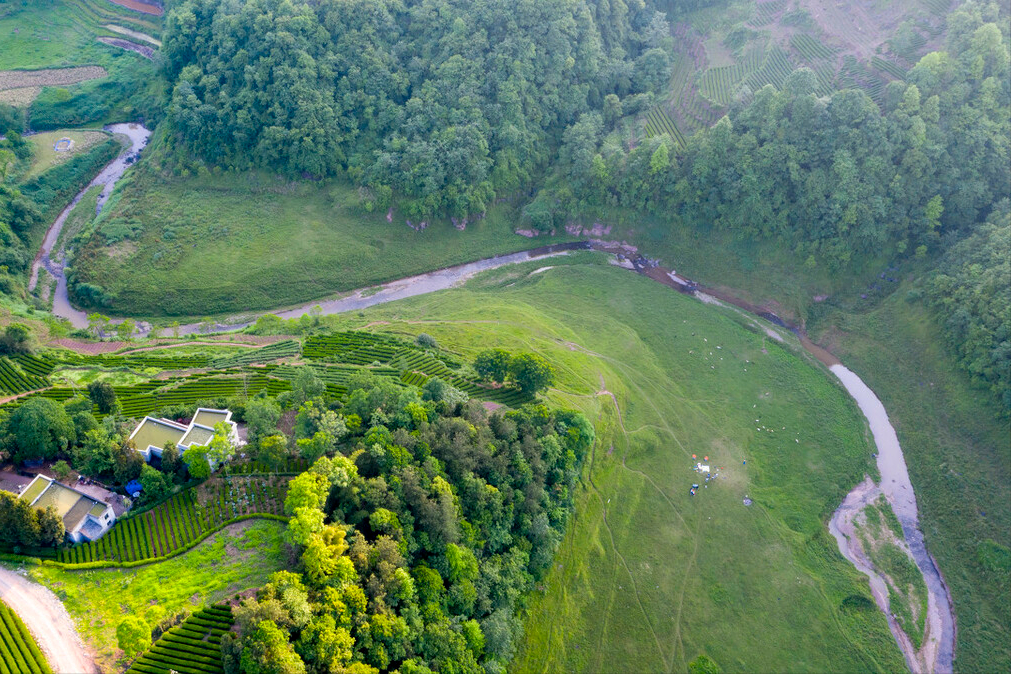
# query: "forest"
448, 104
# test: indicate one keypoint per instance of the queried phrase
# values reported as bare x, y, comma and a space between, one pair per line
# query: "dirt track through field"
48, 621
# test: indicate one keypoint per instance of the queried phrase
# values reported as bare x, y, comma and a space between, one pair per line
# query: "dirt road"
48, 621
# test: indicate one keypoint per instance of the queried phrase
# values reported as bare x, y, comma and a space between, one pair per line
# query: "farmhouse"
151, 434
84, 518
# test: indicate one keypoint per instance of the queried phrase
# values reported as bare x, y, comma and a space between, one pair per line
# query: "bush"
425, 340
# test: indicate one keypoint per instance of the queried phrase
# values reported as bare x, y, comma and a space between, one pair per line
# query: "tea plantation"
190, 648
18, 652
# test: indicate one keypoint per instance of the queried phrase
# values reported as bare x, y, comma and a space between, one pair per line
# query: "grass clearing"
45, 156
235, 559
307, 241
648, 576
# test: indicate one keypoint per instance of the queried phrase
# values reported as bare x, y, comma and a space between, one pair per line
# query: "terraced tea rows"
767, 12
811, 49
658, 122
19, 653
264, 354
358, 348
181, 521
13, 379
893, 69
775, 69
720, 84
193, 647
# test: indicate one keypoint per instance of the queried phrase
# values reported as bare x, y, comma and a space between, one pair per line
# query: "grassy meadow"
957, 451
240, 242
240, 557
45, 157
648, 577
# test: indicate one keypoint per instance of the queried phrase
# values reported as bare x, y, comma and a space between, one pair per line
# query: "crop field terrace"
19, 654
181, 522
239, 557
192, 647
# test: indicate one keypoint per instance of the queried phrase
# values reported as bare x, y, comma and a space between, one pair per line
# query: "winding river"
936, 655
107, 178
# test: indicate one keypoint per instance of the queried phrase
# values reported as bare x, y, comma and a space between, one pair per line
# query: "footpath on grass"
48, 621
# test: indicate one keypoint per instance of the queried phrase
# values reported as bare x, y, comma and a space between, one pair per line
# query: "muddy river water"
937, 653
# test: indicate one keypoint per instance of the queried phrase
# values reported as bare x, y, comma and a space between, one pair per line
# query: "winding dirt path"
48, 621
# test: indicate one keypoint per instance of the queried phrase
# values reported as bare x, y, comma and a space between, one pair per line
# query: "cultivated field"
19, 654
50, 77
648, 577
729, 52
63, 34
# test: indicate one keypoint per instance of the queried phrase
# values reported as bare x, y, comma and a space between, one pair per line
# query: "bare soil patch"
20, 97
142, 7
49, 77
90, 348
143, 50
135, 34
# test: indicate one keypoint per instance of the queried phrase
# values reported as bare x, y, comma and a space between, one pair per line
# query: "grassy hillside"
958, 453
214, 244
236, 559
59, 33
648, 576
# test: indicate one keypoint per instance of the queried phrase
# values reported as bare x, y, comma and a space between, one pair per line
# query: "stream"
107, 178
937, 652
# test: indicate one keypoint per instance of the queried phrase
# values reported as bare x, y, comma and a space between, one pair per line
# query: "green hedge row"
183, 648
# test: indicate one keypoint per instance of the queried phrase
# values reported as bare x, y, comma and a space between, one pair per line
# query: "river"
936, 655
107, 178
938, 652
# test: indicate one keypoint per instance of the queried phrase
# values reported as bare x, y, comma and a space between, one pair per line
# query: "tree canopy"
447, 103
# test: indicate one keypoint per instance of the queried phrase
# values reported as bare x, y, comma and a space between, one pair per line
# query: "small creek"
938, 651
107, 178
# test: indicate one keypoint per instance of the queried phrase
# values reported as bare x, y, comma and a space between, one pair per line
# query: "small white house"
85, 518
151, 434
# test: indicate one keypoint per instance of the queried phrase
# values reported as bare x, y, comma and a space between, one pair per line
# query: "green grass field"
218, 244
44, 157
236, 559
648, 576
958, 453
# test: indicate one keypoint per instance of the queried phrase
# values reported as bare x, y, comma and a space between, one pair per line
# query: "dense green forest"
449, 104
416, 542
443, 107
